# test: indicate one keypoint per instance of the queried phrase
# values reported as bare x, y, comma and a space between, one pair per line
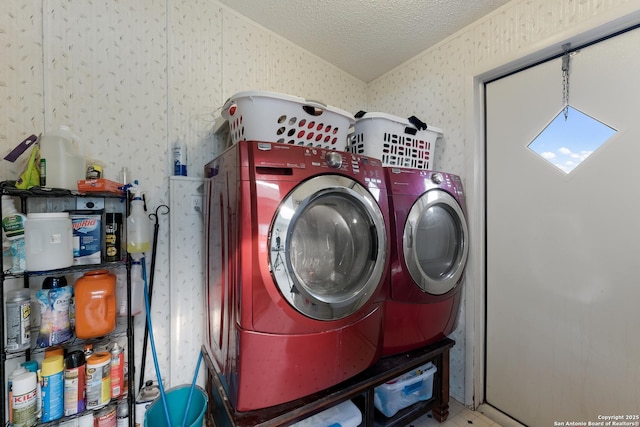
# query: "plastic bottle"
13, 230
60, 155
12, 220
137, 288
52, 388
54, 299
121, 293
138, 225
180, 158
7, 258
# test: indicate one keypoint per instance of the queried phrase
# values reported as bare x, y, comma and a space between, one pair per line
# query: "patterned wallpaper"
21, 91
187, 275
132, 77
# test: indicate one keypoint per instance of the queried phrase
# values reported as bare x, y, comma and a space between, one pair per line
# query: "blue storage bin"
344, 414
405, 390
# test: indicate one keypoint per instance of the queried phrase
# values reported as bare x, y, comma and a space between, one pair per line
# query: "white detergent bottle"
61, 161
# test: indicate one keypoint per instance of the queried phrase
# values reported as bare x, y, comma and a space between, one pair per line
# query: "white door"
563, 250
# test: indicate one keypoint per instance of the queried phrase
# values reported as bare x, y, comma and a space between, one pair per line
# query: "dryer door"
435, 242
328, 247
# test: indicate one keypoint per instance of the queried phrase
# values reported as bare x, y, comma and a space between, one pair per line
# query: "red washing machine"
297, 264
429, 246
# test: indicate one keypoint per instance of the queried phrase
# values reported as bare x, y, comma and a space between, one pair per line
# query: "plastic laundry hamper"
394, 140
276, 117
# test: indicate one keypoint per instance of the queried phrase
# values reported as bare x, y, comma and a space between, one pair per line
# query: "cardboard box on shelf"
100, 185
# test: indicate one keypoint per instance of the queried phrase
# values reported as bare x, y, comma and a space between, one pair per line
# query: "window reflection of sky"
566, 143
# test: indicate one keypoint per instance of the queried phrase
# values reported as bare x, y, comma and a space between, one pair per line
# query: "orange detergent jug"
95, 300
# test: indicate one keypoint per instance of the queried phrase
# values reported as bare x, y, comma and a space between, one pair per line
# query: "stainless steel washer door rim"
328, 247
435, 243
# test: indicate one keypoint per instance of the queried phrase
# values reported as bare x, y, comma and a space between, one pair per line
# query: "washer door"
435, 242
328, 247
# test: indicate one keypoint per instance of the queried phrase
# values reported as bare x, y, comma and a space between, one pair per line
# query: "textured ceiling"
365, 38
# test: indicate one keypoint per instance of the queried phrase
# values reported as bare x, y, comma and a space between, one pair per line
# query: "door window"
568, 140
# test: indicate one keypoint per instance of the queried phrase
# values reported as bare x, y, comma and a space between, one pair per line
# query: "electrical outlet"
196, 204
90, 203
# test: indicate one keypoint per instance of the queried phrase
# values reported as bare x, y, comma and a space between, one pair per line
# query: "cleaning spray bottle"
138, 224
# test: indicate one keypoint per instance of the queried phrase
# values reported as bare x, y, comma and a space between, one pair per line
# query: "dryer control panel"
295, 160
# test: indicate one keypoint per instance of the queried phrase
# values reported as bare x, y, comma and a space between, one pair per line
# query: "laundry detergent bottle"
95, 295
54, 300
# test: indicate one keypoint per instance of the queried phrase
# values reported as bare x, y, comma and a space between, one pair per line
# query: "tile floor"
459, 416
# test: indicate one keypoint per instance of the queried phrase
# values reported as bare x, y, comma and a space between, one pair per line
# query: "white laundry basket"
395, 141
276, 117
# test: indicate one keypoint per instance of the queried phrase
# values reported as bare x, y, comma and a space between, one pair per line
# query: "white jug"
60, 158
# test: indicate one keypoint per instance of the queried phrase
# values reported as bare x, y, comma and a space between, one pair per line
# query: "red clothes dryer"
297, 260
429, 246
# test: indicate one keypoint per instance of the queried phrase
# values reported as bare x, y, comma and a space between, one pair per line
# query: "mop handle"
193, 386
153, 344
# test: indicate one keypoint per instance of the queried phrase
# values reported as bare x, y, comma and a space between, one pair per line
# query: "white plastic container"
407, 389
344, 414
61, 159
276, 117
48, 241
137, 290
395, 141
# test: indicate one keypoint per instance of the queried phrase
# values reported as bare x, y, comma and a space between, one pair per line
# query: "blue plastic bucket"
176, 402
